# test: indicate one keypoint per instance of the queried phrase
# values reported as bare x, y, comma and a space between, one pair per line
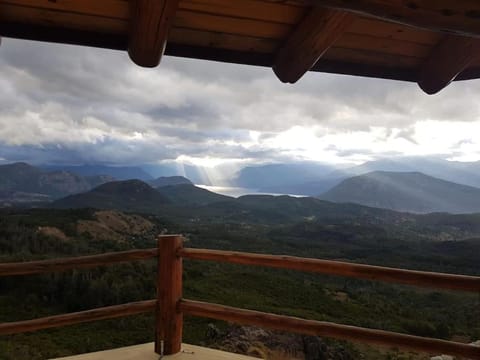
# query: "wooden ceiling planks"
377, 42
357, 56
219, 40
394, 31
116, 9
61, 19
248, 9
231, 25
385, 45
461, 17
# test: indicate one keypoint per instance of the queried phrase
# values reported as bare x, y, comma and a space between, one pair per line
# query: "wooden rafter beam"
316, 33
460, 17
447, 60
150, 23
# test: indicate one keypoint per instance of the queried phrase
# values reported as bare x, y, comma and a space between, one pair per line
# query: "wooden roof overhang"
431, 42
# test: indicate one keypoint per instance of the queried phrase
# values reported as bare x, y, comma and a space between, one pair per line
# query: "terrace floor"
145, 352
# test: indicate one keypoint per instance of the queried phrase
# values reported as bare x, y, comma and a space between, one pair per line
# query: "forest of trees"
348, 301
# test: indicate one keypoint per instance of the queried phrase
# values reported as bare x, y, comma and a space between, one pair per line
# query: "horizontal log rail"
55, 265
321, 328
339, 268
103, 313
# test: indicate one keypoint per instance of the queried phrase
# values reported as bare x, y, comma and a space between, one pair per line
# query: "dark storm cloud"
108, 152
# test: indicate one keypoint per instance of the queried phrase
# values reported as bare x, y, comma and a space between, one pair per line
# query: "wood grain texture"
326, 329
373, 58
115, 9
309, 41
103, 313
382, 45
54, 265
359, 271
447, 60
231, 25
388, 30
247, 9
150, 23
461, 17
63, 20
220, 40
169, 319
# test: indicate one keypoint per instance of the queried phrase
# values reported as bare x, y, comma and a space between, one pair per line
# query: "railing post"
169, 318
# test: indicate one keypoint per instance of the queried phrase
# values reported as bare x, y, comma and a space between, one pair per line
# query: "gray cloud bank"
64, 104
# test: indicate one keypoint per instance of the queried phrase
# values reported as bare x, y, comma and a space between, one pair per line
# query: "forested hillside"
40, 233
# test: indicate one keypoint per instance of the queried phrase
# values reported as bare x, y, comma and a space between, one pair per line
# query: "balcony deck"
145, 352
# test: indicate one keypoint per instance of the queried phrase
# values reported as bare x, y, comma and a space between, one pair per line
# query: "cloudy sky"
74, 105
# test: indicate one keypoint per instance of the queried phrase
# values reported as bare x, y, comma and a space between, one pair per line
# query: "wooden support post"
150, 24
169, 319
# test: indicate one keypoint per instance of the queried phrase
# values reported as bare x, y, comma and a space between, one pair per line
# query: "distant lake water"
238, 191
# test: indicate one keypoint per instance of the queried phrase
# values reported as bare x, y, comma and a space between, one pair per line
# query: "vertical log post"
169, 318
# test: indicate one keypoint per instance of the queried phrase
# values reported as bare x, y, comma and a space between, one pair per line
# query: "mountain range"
21, 181
275, 178
117, 172
406, 191
311, 179
411, 191
189, 204
138, 196
466, 173
127, 195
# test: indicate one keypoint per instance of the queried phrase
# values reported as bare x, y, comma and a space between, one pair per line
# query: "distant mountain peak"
125, 186
19, 164
170, 180
21, 177
406, 191
117, 172
126, 195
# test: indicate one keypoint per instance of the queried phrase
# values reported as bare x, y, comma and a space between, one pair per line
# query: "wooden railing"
170, 307
56, 265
